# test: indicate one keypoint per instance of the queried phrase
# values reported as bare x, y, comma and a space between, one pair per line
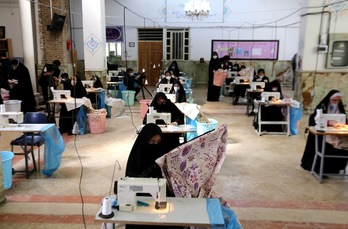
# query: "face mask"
73, 82
176, 89
214, 57
333, 106
173, 67
168, 77
131, 74
274, 89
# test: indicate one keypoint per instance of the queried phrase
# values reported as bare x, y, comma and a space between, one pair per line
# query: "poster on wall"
114, 33
247, 49
175, 11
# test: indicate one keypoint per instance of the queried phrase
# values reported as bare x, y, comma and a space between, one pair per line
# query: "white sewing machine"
265, 96
17, 117
171, 97
87, 83
153, 117
254, 85
326, 120
61, 94
128, 187
241, 79
165, 88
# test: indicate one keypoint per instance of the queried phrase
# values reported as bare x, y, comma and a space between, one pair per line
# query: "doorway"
150, 55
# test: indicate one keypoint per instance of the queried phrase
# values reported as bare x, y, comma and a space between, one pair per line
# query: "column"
93, 16
27, 39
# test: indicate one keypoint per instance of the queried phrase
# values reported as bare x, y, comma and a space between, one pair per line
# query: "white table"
25, 129
321, 154
179, 212
286, 122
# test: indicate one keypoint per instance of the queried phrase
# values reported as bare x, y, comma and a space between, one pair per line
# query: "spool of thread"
106, 209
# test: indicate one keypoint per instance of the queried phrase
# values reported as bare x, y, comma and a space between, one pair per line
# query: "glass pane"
118, 49
340, 53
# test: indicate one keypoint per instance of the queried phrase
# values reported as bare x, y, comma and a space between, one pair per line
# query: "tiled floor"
261, 177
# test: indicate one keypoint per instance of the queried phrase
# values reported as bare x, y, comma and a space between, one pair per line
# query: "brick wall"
53, 44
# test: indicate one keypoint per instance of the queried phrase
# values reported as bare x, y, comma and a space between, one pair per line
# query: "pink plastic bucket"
96, 122
144, 106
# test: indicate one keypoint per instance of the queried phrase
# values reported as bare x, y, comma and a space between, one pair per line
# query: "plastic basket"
7, 157
13, 105
205, 127
144, 106
96, 121
128, 97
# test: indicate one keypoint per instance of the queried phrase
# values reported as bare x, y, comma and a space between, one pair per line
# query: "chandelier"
197, 9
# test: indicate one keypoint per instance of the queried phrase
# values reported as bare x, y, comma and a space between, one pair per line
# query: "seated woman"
179, 91
77, 90
260, 77
96, 84
167, 79
272, 113
330, 104
162, 104
141, 161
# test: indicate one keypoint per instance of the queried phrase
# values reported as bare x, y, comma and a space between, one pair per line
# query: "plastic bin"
128, 97
7, 157
144, 106
13, 105
96, 121
205, 127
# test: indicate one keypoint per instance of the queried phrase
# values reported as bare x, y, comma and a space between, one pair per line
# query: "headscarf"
274, 83
175, 70
78, 91
324, 105
169, 107
143, 154
96, 82
180, 94
214, 64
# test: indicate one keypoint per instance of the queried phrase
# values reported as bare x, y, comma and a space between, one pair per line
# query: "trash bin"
205, 127
128, 97
13, 105
144, 105
7, 157
96, 121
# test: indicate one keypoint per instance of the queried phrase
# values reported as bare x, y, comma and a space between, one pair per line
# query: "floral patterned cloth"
191, 168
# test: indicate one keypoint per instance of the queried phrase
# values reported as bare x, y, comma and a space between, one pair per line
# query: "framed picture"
131, 44
2, 32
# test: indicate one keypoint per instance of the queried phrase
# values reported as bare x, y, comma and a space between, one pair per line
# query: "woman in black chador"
141, 161
214, 65
332, 103
179, 91
77, 90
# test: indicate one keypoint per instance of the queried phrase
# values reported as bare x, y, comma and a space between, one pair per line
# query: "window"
113, 49
177, 44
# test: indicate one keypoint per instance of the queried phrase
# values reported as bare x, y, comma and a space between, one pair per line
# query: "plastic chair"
32, 139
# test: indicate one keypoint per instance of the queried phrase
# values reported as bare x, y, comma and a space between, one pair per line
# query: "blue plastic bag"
54, 147
230, 219
295, 116
82, 120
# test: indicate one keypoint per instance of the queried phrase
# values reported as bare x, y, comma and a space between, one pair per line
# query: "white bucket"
13, 105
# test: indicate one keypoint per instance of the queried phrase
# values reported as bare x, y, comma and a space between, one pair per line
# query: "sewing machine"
128, 187
87, 83
171, 97
241, 79
266, 96
255, 85
155, 117
165, 88
326, 120
61, 94
17, 117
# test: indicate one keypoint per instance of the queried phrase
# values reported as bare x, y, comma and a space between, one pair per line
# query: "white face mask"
176, 89
168, 77
214, 57
274, 89
73, 82
131, 74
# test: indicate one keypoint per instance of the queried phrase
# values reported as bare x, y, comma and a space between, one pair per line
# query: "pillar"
94, 39
27, 39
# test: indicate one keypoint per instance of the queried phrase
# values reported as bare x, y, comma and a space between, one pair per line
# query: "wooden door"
150, 54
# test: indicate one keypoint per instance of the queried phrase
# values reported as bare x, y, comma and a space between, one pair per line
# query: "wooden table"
321, 154
179, 212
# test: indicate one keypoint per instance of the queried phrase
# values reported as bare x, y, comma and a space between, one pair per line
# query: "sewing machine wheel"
160, 205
